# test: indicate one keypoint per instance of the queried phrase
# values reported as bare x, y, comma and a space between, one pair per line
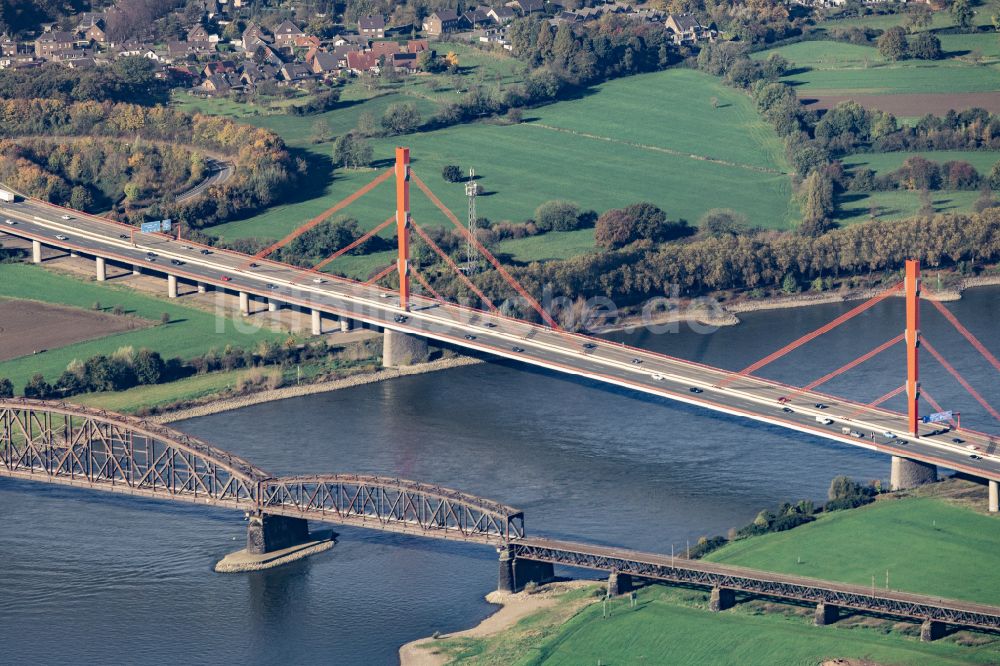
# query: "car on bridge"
9, 221
66, 217
516, 349
657, 377
61, 237
226, 278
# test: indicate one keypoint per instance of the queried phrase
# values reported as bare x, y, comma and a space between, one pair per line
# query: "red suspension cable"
853, 364
343, 203
347, 248
878, 401
381, 274
967, 334
536, 306
961, 380
444, 255
854, 312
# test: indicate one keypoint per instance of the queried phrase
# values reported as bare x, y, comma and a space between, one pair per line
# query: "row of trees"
893, 44
919, 173
129, 79
121, 370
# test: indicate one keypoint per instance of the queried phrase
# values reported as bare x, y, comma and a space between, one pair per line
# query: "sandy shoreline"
726, 315
228, 404
513, 608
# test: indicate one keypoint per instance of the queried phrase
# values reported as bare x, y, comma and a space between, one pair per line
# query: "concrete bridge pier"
994, 496
102, 269
272, 305
73, 254
515, 573
619, 583
202, 288
403, 349
825, 614
136, 270
906, 473
244, 303
931, 631
346, 324
317, 322
722, 599
36, 252
171, 286
267, 533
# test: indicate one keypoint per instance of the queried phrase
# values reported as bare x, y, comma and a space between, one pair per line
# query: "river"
91, 578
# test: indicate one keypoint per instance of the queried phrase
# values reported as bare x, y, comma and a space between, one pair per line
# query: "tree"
790, 285
963, 13
37, 387
642, 221
6, 388
719, 222
366, 124
148, 366
816, 195
557, 216
926, 46
918, 16
351, 150
452, 173
80, 198
401, 118
892, 43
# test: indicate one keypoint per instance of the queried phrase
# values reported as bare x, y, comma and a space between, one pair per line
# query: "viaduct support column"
529, 571
136, 270
825, 614
403, 349
505, 576
346, 324
102, 270
906, 473
202, 288
317, 323
36, 252
619, 583
931, 631
172, 286
267, 533
994, 496
272, 305
244, 302
722, 599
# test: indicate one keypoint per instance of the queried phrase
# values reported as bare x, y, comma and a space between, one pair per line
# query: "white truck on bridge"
8, 196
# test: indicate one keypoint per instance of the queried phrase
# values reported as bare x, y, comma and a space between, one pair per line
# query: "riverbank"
943, 543
269, 395
713, 313
552, 603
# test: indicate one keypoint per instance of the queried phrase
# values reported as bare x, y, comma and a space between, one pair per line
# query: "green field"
653, 137
663, 629
882, 21
190, 333
833, 68
898, 204
928, 545
884, 162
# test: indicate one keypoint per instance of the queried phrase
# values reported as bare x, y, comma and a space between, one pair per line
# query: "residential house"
372, 27
404, 62
362, 61
286, 34
475, 18
218, 67
296, 72
502, 15
50, 42
325, 64
340, 53
8, 47
95, 33
253, 37
217, 84
440, 22
527, 6
385, 48
197, 34
417, 45
687, 29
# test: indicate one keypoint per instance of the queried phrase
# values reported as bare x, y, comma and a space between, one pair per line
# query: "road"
218, 173
611, 363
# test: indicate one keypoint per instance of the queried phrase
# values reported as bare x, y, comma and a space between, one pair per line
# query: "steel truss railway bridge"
97, 450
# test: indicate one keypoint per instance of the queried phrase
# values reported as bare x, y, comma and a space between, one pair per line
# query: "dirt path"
657, 149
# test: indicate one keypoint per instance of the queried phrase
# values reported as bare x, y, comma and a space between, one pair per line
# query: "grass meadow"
834, 68
678, 138
191, 332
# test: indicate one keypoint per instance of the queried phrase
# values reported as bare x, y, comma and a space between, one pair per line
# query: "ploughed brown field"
911, 105
29, 326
